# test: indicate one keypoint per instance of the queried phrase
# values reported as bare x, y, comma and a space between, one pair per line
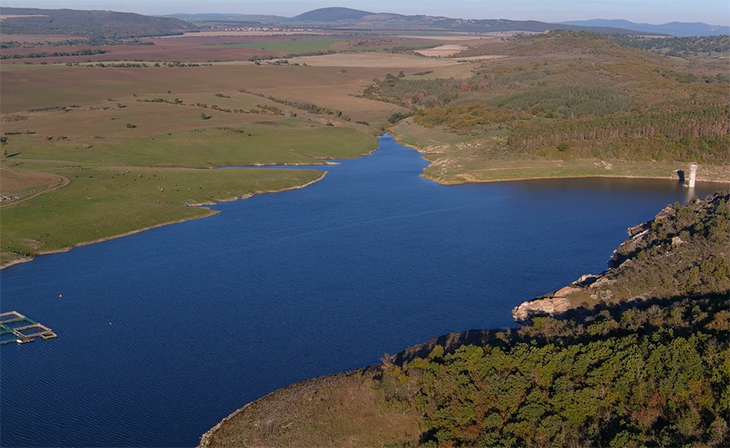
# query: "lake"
163, 333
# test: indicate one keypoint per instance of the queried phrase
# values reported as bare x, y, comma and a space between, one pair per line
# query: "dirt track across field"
14, 181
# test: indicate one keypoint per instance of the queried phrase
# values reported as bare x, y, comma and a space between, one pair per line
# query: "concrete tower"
692, 175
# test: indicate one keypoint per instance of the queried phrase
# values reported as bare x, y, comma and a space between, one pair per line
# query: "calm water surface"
164, 333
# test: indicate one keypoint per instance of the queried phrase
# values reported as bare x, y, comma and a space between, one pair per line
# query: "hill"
584, 105
679, 29
331, 15
104, 24
353, 18
648, 372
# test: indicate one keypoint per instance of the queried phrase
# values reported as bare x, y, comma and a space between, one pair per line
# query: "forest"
653, 374
99, 24
678, 46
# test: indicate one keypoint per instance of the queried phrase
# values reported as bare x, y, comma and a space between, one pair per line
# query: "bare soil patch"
484, 57
387, 60
19, 16
14, 181
442, 51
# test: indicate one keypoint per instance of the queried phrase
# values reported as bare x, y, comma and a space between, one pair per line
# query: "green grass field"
124, 184
104, 202
292, 142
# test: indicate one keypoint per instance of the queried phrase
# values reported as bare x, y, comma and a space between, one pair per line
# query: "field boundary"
63, 179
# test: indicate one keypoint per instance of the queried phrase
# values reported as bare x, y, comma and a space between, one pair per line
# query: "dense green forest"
46, 54
99, 24
679, 46
653, 374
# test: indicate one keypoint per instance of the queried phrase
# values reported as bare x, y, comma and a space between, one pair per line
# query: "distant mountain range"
353, 18
117, 25
679, 29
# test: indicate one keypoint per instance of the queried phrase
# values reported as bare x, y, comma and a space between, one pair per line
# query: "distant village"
269, 29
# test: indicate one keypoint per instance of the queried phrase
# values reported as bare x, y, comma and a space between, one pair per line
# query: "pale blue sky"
715, 12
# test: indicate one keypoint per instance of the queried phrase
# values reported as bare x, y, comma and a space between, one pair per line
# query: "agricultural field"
291, 45
201, 48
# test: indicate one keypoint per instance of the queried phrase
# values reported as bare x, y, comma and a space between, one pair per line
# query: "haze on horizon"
714, 12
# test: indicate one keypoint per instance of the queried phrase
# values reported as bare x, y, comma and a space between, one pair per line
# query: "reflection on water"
163, 333
624, 185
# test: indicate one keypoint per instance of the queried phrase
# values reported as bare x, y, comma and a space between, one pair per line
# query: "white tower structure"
692, 175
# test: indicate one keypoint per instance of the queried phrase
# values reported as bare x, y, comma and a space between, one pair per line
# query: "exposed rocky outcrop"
540, 307
684, 250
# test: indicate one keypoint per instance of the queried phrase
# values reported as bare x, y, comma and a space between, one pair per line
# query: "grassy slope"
291, 46
108, 201
126, 184
347, 409
245, 145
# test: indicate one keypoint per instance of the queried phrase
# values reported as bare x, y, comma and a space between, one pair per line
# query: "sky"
714, 12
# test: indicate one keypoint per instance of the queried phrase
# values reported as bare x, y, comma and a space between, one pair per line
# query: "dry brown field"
247, 33
442, 51
342, 410
466, 39
388, 60
57, 86
13, 181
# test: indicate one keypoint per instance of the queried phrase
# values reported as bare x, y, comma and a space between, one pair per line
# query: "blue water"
164, 333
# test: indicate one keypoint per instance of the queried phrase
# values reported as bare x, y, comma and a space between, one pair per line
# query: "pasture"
104, 127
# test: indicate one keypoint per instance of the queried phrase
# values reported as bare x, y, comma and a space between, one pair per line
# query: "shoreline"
588, 176
517, 179
26, 259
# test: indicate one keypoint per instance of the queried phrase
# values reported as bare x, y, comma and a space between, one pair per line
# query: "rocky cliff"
684, 250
